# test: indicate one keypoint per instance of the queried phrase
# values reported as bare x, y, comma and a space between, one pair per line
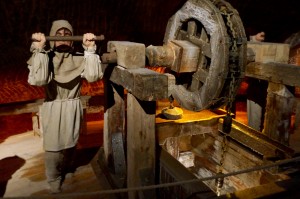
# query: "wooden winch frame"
129, 152
131, 90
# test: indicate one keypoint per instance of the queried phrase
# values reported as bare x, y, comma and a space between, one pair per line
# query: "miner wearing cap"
60, 70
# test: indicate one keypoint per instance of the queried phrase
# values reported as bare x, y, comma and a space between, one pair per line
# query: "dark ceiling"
141, 21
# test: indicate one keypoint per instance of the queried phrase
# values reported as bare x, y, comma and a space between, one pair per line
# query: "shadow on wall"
8, 166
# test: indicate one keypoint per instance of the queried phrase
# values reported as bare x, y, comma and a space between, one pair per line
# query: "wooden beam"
20, 108
143, 83
269, 52
286, 74
141, 155
129, 54
279, 110
30, 106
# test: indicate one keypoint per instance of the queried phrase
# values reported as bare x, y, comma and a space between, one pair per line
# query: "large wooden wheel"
216, 28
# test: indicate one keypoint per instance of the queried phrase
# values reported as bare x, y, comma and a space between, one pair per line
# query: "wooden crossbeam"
29, 106
143, 83
280, 73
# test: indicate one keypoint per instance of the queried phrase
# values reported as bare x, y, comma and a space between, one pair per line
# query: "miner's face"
62, 33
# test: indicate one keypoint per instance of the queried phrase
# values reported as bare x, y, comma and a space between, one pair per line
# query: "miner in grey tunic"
60, 71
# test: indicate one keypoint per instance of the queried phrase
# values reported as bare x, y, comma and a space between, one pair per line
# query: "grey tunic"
61, 111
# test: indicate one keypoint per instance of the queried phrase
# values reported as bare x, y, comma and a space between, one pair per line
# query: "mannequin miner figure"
60, 71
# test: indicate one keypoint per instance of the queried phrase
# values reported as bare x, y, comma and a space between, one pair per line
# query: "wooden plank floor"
22, 162
22, 165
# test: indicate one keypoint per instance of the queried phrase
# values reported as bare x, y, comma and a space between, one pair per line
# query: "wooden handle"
71, 38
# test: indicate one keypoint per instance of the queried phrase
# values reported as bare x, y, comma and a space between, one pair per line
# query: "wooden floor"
22, 162
22, 165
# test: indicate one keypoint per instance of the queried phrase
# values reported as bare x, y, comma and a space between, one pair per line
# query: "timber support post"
280, 103
131, 92
271, 65
140, 146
